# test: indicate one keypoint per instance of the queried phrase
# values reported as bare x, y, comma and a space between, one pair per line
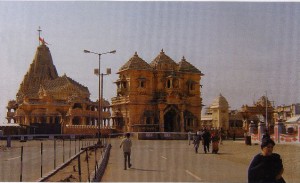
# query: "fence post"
70, 148
54, 154
88, 167
79, 168
63, 150
21, 172
41, 159
8, 141
75, 144
96, 163
79, 143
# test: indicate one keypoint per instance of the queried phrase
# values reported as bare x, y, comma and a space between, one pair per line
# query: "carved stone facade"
161, 96
48, 103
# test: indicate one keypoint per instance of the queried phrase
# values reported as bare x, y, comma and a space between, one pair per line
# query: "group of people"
206, 137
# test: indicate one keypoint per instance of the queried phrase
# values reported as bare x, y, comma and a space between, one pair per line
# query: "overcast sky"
244, 49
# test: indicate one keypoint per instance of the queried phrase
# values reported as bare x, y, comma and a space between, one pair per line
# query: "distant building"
235, 119
260, 111
48, 103
285, 112
217, 114
290, 115
162, 96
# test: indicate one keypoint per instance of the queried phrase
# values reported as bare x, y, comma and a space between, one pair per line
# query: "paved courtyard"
156, 161
176, 161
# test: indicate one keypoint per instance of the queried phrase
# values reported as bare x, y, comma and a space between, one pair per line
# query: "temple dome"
163, 62
220, 102
262, 101
135, 63
185, 66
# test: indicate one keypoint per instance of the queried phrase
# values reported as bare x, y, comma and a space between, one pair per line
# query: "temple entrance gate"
171, 121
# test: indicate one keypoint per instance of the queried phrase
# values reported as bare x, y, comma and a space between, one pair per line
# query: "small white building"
217, 114
292, 124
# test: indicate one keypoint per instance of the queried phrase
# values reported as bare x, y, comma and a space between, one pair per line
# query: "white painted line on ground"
193, 175
163, 157
13, 158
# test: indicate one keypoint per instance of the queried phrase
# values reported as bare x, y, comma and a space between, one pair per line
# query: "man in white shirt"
126, 143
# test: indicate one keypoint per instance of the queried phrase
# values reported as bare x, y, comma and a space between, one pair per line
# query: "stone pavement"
176, 161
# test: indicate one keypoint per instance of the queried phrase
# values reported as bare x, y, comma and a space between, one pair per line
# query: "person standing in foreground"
266, 167
126, 144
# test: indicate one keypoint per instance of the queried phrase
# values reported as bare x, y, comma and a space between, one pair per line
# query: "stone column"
83, 120
48, 120
261, 130
161, 121
278, 129
181, 121
27, 119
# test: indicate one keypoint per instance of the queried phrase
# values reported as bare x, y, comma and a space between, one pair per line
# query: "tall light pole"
99, 89
267, 126
108, 72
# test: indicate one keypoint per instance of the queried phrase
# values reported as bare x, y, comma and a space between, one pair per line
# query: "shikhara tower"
48, 103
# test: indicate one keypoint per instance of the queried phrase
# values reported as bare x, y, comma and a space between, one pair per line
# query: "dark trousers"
196, 147
206, 146
127, 160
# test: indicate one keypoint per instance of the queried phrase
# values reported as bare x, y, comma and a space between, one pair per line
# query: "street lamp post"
108, 72
99, 89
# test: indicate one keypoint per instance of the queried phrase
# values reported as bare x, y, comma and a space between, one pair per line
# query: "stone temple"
50, 104
163, 96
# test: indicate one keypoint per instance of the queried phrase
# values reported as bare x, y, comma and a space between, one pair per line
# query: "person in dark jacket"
206, 140
266, 167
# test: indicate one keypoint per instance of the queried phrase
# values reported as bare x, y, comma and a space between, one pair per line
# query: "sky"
245, 49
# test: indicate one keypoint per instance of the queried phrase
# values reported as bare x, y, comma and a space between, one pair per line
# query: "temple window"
148, 120
124, 85
76, 120
141, 82
77, 105
169, 83
192, 86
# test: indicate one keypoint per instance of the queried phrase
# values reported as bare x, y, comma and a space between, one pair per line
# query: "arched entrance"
171, 121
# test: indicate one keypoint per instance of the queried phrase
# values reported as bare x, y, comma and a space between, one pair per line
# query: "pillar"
261, 130
48, 120
278, 129
251, 128
181, 122
161, 121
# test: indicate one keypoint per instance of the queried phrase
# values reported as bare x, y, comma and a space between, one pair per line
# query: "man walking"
206, 140
196, 142
126, 143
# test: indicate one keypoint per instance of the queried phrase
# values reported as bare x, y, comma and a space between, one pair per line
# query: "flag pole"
39, 30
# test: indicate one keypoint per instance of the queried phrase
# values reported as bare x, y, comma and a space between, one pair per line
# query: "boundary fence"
62, 147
